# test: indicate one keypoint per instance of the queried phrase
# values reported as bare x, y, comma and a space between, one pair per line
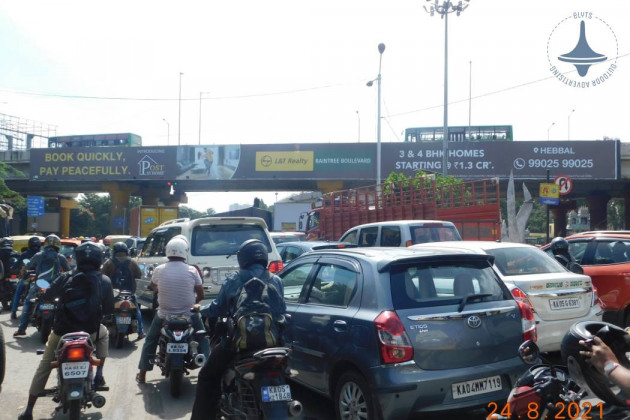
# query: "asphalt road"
126, 399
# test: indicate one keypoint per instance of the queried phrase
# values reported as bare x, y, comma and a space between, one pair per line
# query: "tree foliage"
8, 195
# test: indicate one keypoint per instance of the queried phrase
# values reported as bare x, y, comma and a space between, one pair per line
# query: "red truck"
473, 206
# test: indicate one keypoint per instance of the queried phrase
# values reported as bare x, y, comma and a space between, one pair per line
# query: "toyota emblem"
473, 321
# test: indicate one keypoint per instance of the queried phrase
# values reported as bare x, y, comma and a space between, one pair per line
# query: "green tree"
185, 211
8, 195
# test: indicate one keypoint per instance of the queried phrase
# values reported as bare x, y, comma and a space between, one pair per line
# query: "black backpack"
80, 302
48, 266
255, 326
121, 278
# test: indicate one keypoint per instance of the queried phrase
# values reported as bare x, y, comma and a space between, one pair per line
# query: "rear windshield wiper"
469, 298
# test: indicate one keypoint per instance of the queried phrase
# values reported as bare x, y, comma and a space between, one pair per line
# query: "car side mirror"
575, 267
529, 353
133, 252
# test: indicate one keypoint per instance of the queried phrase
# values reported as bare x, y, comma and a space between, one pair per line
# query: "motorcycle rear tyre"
120, 340
3, 359
175, 378
74, 410
45, 330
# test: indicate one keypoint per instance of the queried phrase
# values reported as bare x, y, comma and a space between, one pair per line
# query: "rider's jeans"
27, 308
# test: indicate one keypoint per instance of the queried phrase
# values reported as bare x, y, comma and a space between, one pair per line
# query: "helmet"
89, 254
582, 371
34, 243
252, 251
177, 247
559, 245
6, 243
53, 240
121, 247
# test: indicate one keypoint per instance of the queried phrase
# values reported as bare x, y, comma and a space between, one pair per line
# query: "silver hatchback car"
392, 333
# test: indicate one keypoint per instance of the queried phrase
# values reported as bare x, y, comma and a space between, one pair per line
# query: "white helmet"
177, 247
180, 236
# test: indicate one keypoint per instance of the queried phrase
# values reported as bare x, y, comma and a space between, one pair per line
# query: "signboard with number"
564, 183
549, 194
34, 206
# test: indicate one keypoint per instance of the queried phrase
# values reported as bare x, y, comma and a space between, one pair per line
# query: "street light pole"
179, 122
200, 93
569, 124
552, 124
381, 49
443, 8
168, 132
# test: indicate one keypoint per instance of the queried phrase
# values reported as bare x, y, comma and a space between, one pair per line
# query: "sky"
291, 71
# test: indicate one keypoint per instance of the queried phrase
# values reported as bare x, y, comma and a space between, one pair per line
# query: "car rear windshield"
224, 239
424, 233
443, 283
520, 261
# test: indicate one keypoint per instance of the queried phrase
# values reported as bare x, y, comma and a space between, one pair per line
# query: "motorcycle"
124, 320
8, 284
43, 313
178, 351
255, 387
547, 391
75, 361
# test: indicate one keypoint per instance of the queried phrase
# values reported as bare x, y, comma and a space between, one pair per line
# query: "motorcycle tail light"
125, 304
76, 353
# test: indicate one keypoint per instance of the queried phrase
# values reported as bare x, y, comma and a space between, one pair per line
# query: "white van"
401, 233
213, 245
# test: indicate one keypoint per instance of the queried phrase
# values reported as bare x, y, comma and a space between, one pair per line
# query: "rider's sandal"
141, 379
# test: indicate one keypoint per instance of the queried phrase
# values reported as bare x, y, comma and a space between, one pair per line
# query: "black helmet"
559, 245
6, 243
34, 243
582, 371
252, 251
53, 240
121, 247
88, 255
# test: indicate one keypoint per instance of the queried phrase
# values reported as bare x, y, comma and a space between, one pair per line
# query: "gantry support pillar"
560, 217
119, 218
65, 206
598, 204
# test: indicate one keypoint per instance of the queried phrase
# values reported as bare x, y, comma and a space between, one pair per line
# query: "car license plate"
46, 306
566, 303
276, 393
75, 369
123, 320
476, 387
181, 348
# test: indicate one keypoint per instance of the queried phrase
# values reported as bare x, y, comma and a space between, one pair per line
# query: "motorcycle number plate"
72, 370
276, 393
180, 348
123, 320
476, 387
47, 306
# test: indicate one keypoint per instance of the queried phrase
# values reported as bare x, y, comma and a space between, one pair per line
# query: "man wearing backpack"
34, 246
179, 288
85, 296
48, 264
123, 271
252, 259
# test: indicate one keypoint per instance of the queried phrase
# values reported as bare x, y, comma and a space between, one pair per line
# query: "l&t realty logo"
569, 49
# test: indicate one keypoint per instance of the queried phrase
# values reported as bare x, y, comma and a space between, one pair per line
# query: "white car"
558, 297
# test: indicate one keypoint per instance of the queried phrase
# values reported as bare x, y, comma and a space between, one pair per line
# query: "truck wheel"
353, 398
175, 382
45, 330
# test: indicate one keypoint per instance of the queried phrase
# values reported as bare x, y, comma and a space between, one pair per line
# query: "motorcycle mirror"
116, 293
42, 284
575, 267
529, 353
26, 261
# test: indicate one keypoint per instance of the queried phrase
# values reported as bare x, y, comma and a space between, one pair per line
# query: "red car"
605, 257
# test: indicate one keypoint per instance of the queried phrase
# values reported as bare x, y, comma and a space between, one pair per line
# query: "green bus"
98, 140
460, 133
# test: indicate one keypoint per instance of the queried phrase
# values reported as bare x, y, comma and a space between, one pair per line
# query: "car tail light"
76, 353
393, 341
527, 321
596, 300
275, 266
521, 296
